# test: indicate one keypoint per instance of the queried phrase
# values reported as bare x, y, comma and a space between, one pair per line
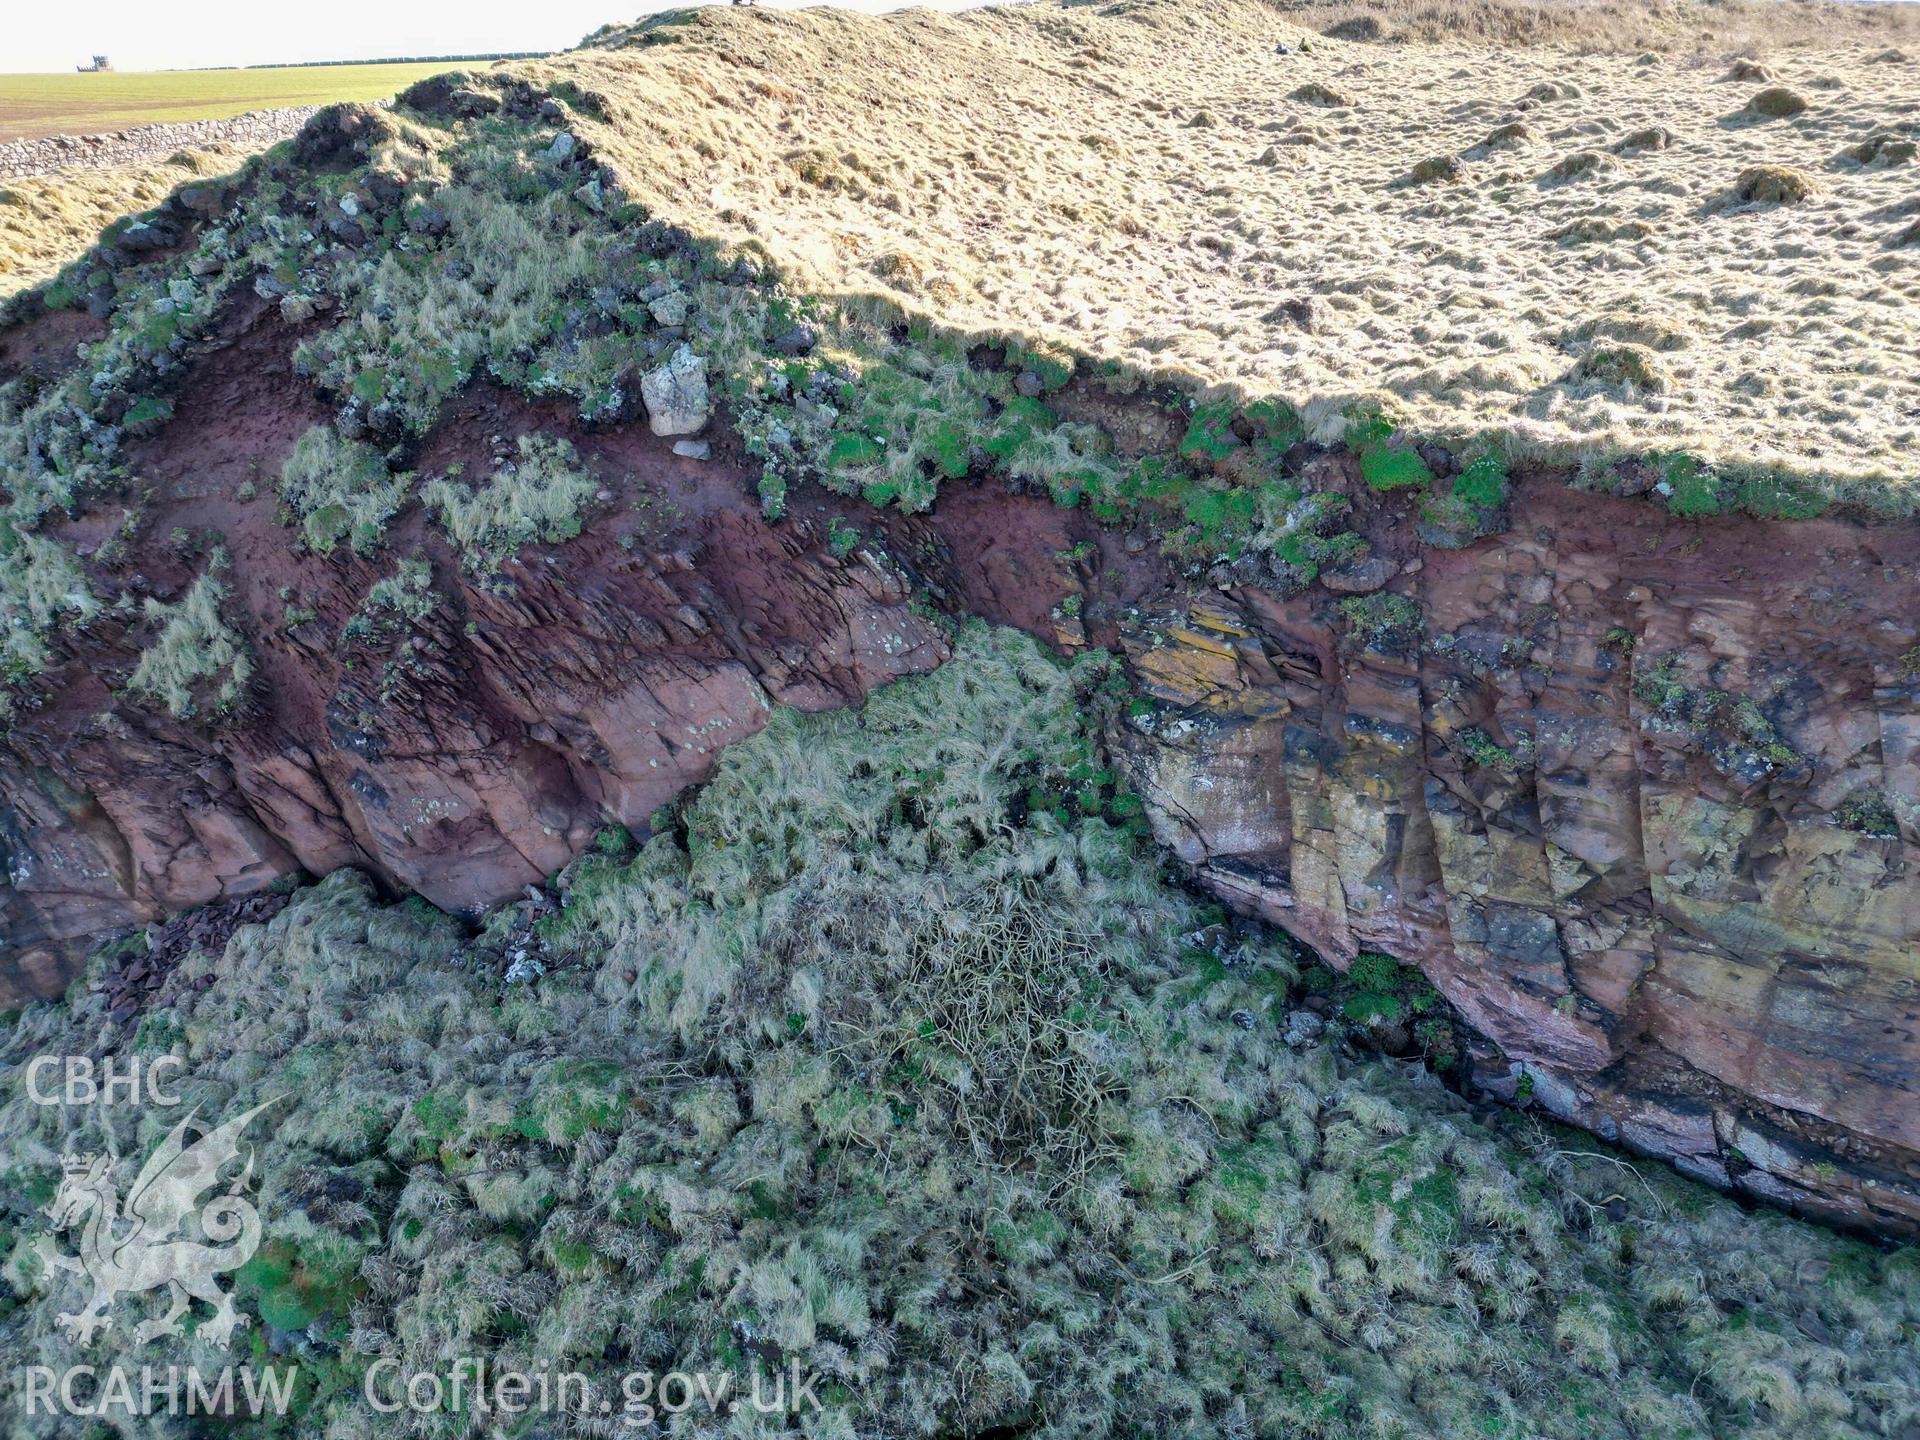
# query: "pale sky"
140, 35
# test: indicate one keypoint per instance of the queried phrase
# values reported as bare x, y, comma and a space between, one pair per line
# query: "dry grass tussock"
538, 497
1153, 183
795, 1096
196, 662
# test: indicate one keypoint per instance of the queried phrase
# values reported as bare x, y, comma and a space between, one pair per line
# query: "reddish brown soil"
44, 345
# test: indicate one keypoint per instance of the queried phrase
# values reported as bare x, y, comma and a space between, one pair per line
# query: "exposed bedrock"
1638, 795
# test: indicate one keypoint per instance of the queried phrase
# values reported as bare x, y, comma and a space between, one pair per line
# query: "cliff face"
1638, 795
465, 754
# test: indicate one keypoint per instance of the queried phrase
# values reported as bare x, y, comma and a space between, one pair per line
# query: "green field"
76, 104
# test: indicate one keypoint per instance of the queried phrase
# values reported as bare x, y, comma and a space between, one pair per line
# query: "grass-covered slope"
892, 1055
1584, 249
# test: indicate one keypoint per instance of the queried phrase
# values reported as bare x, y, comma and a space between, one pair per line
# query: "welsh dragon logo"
150, 1241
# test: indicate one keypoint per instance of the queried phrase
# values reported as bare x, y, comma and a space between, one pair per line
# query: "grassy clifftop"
1587, 252
45, 220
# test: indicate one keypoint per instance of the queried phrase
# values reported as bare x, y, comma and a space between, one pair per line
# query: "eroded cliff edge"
1636, 792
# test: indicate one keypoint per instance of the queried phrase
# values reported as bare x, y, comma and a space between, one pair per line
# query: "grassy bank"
45, 220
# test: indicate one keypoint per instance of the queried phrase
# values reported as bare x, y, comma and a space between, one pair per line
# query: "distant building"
100, 62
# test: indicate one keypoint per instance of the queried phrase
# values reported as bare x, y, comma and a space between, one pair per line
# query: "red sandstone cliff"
1638, 795
1601, 777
